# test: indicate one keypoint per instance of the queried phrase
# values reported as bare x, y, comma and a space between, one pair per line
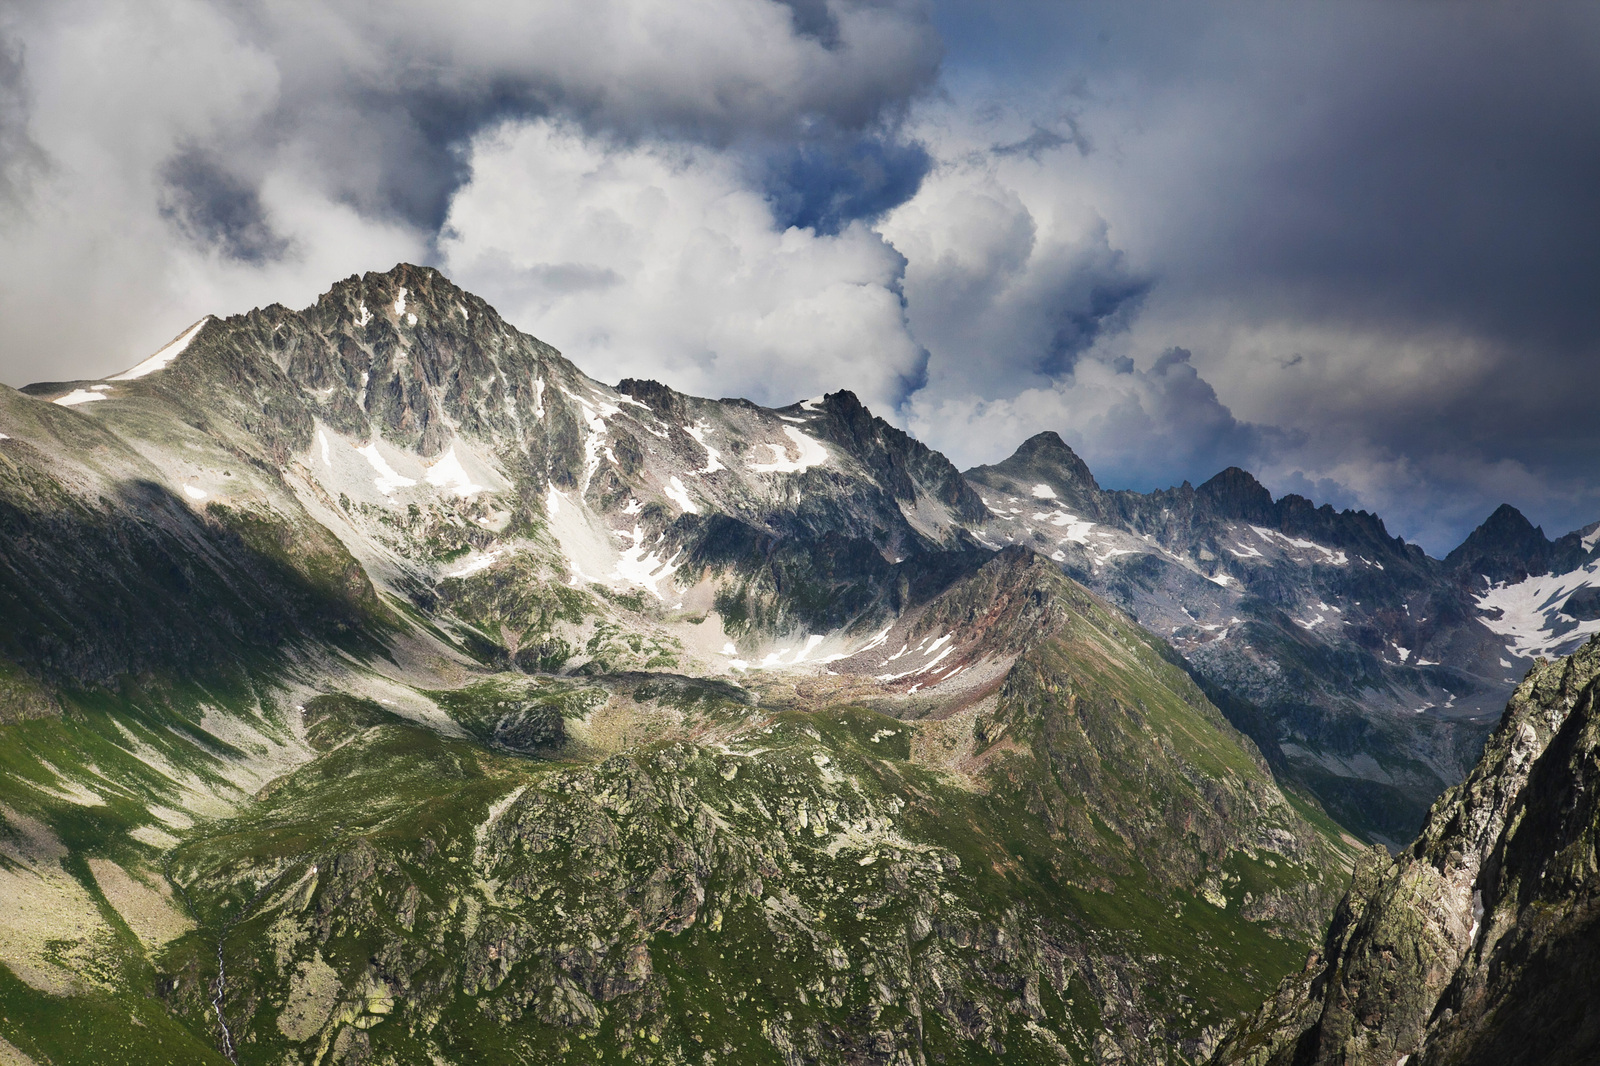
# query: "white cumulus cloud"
658, 260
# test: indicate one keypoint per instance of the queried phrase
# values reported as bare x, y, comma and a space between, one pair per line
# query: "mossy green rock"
1475, 944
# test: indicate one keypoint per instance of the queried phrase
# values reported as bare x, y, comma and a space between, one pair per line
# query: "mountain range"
377, 686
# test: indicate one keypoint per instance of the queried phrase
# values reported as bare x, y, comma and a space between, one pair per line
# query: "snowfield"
1529, 612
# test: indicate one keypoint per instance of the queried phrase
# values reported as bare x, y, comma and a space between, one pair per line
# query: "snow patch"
77, 396
1336, 558
400, 302
637, 568
327, 459
1530, 612
387, 480
1042, 491
680, 496
1077, 528
713, 457
448, 473
195, 493
164, 357
811, 645
878, 640
812, 453
813, 404
918, 670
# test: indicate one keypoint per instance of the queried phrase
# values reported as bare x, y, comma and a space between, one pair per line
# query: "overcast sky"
1353, 248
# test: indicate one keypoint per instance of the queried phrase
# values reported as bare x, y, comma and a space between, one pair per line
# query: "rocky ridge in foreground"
1475, 945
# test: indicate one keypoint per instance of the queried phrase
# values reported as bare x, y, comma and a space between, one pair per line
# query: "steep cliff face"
1475, 944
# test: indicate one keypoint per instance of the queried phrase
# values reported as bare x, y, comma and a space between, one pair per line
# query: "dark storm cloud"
1442, 172
1445, 181
20, 158
1400, 176
1080, 314
1387, 161
825, 184
216, 208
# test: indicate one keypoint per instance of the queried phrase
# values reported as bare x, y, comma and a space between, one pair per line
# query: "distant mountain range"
1368, 672
377, 686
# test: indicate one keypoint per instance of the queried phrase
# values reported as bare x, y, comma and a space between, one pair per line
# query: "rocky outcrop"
1453, 953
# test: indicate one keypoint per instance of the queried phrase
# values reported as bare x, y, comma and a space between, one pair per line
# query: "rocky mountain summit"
378, 687
1541, 596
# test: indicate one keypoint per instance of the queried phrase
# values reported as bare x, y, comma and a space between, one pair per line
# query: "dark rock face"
907, 466
1236, 493
1506, 548
1045, 458
1475, 945
1583, 604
